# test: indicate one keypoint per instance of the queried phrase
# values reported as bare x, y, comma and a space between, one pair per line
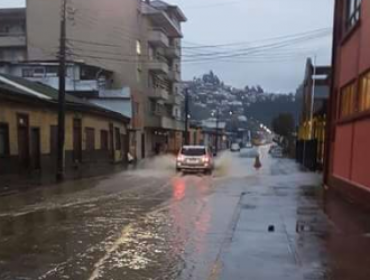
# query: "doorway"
35, 149
143, 145
77, 140
23, 141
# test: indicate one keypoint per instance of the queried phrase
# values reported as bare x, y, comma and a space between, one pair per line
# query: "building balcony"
172, 52
175, 99
158, 93
158, 38
163, 122
161, 20
174, 76
7, 41
158, 67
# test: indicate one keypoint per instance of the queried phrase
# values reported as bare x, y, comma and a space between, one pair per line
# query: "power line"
200, 46
244, 52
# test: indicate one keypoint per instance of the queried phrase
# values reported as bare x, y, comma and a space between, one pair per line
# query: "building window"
139, 74
27, 72
104, 140
353, 13
4, 30
90, 139
52, 71
153, 106
4, 140
88, 73
365, 92
138, 47
118, 139
348, 97
136, 108
39, 72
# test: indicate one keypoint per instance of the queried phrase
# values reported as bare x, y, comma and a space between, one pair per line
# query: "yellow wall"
44, 118
314, 131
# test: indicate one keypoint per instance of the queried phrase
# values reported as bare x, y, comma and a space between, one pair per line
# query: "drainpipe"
331, 101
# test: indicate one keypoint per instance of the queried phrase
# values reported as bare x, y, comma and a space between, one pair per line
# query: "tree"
283, 124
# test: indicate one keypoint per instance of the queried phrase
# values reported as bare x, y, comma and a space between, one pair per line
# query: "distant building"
347, 168
312, 126
212, 129
81, 79
94, 137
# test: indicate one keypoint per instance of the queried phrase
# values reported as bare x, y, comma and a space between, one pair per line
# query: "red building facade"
348, 151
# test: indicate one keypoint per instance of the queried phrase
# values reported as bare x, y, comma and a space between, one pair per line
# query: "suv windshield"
193, 151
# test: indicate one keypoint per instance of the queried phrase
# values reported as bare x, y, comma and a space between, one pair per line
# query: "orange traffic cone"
257, 163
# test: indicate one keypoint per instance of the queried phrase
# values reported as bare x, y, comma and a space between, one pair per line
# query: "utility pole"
187, 116
62, 91
217, 130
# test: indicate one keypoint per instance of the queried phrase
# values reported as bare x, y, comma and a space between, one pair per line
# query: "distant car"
276, 152
195, 158
249, 145
235, 147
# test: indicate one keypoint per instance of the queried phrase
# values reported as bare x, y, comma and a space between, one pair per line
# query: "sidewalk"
287, 230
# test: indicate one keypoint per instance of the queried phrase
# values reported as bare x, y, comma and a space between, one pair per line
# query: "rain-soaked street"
152, 223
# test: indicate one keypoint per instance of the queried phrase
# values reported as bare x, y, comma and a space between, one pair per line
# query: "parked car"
235, 147
276, 152
195, 158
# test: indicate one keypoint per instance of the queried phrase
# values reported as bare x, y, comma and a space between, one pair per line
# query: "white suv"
195, 158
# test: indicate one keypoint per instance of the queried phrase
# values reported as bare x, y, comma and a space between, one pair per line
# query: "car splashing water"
160, 166
240, 164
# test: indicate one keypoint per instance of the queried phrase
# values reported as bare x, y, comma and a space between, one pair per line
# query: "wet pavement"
152, 223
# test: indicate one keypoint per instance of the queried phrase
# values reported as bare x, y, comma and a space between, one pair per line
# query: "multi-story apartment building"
347, 169
163, 118
138, 43
13, 46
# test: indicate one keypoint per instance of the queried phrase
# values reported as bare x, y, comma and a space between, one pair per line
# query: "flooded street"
152, 223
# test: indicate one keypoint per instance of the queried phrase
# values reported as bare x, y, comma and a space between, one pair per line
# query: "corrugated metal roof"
123, 106
40, 91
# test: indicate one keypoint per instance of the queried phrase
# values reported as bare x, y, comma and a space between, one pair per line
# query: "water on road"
152, 223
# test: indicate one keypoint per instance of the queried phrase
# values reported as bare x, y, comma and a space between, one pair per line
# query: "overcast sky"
215, 22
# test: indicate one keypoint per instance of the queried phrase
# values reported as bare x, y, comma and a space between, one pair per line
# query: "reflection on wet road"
152, 223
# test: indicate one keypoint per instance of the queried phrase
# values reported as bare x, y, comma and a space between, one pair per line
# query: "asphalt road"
152, 223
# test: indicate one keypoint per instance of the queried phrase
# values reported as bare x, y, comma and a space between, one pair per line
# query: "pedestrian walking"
257, 163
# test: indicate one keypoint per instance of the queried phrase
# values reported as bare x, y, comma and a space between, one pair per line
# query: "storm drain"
311, 227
